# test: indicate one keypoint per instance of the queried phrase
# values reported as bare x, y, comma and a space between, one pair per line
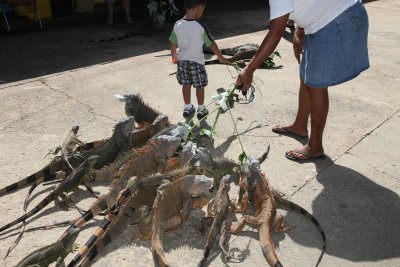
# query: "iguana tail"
120, 222
35, 210
296, 207
46, 174
267, 246
92, 240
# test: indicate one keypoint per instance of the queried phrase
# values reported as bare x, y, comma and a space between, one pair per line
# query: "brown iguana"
77, 177
150, 158
222, 205
258, 191
136, 206
260, 194
57, 251
173, 206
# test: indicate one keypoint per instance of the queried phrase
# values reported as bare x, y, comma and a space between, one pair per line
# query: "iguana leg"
278, 224
65, 202
187, 207
242, 206
238, 226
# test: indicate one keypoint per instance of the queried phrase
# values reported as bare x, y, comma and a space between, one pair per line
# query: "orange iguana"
258, 191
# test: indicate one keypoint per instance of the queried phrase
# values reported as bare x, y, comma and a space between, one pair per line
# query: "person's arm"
297, 43
217, 52
174, 55
276, 29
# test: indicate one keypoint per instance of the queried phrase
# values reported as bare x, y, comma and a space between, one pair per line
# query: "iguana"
234, 50
69, 145
137, 205
77, 177
151, 158
241, 52
136, 107
107, 153
258, 191
222, 205
260, 194
173, 207
285, 202
57, 251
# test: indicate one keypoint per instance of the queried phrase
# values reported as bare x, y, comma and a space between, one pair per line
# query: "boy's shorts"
191, 73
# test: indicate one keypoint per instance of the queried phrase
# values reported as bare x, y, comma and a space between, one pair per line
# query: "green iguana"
57, 251
135, 106
107, 153
77, 177
69, 145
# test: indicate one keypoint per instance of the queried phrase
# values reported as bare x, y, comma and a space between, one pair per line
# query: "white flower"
222, 99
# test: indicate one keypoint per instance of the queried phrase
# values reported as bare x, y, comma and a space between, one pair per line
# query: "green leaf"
242, 157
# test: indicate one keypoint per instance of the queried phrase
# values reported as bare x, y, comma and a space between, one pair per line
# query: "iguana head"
198, 185
253, 172
123, 131
170, 144
133, 104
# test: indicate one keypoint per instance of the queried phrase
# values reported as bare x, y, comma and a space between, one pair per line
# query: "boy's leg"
189, 108
200, 96
186, 94
201, 110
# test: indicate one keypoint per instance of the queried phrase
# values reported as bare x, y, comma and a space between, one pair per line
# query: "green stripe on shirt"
172, 38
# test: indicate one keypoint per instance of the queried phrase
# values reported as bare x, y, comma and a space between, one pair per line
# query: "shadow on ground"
78, 40
360, 217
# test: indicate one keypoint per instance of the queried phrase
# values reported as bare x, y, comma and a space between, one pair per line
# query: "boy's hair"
189, 4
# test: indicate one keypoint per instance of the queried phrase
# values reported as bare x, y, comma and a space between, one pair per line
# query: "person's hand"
174, 59
244, 79
223, 60
297, 44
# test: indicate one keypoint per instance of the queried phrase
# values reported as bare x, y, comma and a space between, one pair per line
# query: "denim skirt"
338, 52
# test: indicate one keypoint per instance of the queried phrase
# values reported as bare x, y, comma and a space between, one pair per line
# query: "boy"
190, 35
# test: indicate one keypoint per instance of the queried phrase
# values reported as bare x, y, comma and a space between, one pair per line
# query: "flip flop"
284, 131
306, 157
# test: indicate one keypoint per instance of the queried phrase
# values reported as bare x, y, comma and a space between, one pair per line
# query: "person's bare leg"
200, 96
299, 126
186, 94
110, 6
319, 112
127, 8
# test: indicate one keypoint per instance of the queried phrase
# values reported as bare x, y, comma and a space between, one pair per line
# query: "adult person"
127, 7
334, 36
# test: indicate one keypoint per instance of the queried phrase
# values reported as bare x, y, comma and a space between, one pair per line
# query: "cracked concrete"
354, 193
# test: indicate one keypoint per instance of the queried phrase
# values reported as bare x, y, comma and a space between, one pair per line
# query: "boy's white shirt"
190, 37
312, 15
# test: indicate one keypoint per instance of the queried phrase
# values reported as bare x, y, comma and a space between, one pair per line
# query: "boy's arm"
217, 52
174, 55
173, 45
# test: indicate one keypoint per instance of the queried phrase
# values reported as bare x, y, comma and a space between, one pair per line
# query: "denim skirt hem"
338, 52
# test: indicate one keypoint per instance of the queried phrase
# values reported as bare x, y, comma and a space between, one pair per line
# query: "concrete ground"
54, 79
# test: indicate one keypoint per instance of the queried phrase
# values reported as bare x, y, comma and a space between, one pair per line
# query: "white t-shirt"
190, 35
312, 15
